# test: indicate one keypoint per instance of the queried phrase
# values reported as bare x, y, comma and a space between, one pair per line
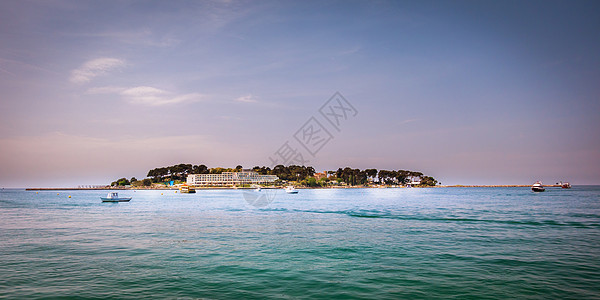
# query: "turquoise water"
467, 243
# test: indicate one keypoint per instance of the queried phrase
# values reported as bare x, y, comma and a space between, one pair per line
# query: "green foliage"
201, 169
300, 174
428, 181
176, 172
292, 172
398, 177
323, 181
220, 170
312, 182
120, 182
180, 172
371, 173
262, 170
352, 176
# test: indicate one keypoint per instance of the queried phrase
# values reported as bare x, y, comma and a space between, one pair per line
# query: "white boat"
258, 189
565, 185
538, 187
114, 197
291, 190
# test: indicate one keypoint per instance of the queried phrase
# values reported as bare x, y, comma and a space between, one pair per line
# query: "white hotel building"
230, 178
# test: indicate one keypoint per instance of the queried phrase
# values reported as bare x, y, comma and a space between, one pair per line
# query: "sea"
394, 243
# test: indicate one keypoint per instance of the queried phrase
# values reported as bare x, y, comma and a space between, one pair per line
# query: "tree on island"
262, 170
121, 182
371, 173
428, 181
201, 169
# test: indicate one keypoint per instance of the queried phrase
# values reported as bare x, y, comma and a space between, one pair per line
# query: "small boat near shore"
186, 189
114, 197
291, 190
538, 187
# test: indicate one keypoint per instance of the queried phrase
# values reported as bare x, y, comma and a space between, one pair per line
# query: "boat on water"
114, 197
291, 190
538, 187
565, 185
187, 189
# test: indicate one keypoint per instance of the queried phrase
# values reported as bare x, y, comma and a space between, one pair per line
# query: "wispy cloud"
247, 99
105, 90
142, 37
408, 121
350, 50
145, 95
7, 72
95, 67
152, 96
11, 64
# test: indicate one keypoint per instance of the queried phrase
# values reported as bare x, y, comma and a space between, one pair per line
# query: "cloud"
152, 96
11, 66
95, 67
350, 51
142, 37
145, 95
247, 99
408, 121
105, 90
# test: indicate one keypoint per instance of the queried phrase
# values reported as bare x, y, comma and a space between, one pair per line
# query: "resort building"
230, 178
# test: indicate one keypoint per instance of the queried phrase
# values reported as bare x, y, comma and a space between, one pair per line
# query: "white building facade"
229, 178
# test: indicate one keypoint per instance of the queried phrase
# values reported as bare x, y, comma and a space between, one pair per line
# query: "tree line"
301, 174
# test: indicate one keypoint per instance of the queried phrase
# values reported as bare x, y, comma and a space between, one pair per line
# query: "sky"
469, 92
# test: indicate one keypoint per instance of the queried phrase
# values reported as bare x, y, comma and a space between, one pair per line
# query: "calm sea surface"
467, 243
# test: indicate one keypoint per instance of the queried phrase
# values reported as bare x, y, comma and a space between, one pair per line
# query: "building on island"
321, 175
413, 182
230, 178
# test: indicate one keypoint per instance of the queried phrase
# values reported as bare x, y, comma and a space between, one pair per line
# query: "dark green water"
465, 243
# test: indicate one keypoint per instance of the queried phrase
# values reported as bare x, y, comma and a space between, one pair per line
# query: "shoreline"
250, 188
